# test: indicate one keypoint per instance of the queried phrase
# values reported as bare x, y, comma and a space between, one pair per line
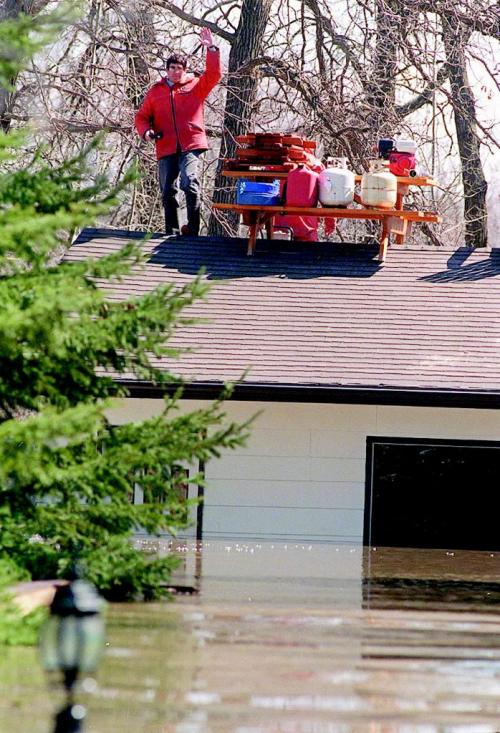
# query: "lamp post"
71, 643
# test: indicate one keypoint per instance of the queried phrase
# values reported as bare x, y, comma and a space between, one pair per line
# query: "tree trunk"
5, 102
11, 9
242, 87
145, 205
473, 180
381, 88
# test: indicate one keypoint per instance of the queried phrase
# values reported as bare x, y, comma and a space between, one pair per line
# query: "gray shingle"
328, 314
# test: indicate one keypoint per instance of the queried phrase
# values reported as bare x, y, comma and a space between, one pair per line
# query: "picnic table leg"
270, 226
402, 191
398, 227
252, 232
400, 238
384, 241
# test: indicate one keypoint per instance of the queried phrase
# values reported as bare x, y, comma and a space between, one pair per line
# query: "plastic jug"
302, 187
336, 184
379, 187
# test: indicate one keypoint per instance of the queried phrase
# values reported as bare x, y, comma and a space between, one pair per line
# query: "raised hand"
206, 37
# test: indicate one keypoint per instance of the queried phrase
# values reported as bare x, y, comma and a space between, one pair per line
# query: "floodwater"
293, 638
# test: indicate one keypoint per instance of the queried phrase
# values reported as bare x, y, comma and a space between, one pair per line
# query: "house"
377, 388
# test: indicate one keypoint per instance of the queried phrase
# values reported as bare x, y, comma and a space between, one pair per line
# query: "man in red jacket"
172, 115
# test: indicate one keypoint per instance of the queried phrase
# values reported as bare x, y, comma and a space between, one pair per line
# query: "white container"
379, 188
336, 184
403, 145
284, 234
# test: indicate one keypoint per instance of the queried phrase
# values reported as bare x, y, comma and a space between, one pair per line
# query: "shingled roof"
326, 322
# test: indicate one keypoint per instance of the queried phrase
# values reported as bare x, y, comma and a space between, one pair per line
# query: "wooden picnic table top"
330, 212
402, 180
255, 174
393, 221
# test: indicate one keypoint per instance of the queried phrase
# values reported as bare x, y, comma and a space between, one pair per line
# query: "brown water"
294, 638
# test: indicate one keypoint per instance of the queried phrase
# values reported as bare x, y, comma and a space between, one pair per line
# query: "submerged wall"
301, 477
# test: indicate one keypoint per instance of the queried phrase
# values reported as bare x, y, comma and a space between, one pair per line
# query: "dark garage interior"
432, 494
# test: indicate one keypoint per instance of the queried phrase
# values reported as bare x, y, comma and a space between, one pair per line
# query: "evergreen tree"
66, 476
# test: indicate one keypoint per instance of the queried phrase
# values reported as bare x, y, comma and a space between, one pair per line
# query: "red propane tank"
302, 187
402, 164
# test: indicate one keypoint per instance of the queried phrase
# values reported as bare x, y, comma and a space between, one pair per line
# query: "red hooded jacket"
177, 111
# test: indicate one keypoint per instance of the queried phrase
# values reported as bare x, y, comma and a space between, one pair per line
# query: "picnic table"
393, 221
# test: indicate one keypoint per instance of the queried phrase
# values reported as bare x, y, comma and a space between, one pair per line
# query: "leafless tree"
455, 38
374, 67
12, 9
392, 59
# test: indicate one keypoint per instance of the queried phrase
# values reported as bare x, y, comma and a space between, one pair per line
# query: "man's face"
176, 73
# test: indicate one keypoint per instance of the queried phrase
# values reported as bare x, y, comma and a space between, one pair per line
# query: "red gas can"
302, 187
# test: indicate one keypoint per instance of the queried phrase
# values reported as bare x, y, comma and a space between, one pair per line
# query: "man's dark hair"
176, 58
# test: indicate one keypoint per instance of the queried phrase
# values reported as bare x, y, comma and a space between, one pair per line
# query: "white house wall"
301, 476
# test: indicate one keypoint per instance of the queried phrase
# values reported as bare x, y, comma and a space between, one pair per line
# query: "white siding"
302, 474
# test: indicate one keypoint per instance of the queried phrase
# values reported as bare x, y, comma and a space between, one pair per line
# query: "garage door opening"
432, 494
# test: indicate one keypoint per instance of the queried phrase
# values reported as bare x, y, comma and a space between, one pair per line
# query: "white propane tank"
336, 183
379, 187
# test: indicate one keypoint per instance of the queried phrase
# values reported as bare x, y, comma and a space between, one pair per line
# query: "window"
179, 474
432, 493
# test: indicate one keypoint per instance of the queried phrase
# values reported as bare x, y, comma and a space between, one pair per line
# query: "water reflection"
431, 579
297, 638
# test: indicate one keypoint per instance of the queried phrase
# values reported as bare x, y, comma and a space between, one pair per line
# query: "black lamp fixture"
72, 642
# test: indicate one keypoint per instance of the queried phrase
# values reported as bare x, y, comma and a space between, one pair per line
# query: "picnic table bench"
393, 221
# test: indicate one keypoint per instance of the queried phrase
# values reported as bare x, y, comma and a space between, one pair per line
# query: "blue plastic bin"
258, 194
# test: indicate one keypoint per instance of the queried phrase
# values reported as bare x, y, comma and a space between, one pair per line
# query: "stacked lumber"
270, 151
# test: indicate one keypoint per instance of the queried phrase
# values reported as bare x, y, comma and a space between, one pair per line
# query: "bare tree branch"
425, 97
193, 20
340, 41
12, 8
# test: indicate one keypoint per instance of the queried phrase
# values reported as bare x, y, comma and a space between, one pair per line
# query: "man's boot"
171, 221
193, 215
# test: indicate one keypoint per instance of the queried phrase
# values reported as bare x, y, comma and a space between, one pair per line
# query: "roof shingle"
327, 314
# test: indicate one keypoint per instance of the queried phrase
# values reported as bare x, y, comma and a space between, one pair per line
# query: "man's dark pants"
185, 167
